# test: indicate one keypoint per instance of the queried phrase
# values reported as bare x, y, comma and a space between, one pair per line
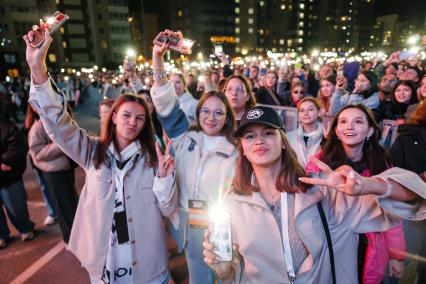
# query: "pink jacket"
381, 245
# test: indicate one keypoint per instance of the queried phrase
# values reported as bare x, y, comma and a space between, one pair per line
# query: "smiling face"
129, 120
327, 88
212, 116
262, 145
403, 94
236, 93
353, 128
308, 113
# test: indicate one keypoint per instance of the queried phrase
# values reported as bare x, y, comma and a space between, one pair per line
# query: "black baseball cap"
261, 115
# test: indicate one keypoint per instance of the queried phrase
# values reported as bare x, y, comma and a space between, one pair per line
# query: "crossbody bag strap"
329, 242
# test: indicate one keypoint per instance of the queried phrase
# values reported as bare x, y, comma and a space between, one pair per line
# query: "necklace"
271, 197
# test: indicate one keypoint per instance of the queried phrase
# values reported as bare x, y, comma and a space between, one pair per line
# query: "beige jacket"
46, 155
256, 232
93, 220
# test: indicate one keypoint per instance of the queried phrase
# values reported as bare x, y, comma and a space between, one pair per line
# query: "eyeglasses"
299, 92
217, 114
238, 90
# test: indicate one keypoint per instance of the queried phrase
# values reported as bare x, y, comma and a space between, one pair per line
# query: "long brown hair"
251, 102
334, 155
288, 180
325, 101
145, 137
228, 128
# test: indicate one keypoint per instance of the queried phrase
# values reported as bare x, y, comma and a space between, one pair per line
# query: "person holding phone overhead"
205, 160
118, 233
273, 209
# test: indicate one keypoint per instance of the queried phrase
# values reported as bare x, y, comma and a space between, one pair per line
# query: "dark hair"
288, 179
145, 137
409, 84
251, 102
229, 126
333, 153
372, 78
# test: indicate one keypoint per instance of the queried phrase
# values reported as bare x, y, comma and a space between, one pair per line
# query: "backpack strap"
329, 242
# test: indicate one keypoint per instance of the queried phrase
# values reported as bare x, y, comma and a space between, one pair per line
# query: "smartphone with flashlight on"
218, 49
182, 45
52, 24
220, 233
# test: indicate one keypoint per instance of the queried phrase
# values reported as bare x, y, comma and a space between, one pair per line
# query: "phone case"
52, 24
182, 45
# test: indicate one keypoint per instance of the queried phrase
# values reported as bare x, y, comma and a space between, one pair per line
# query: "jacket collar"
224, 147
302, 201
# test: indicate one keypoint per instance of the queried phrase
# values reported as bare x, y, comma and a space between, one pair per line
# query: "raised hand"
343, 179
211, 259
36, 56
166, 162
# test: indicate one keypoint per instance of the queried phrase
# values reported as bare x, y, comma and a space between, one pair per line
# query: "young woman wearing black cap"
273, 211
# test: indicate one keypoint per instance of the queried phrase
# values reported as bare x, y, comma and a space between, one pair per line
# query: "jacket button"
130, 220
133, 242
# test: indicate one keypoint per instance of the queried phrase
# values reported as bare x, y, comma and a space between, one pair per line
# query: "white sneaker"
49, 221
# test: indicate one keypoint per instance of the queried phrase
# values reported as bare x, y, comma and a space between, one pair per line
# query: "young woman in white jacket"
118, 232
277, 231
205, 161
306, 139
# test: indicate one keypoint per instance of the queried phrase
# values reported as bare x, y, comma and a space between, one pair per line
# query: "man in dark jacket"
13, 152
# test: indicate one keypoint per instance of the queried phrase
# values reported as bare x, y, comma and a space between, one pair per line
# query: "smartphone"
52, 24
340, 73
182, 45
218, 50
221, 235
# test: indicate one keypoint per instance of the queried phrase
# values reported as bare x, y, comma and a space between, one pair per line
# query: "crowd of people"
326, 200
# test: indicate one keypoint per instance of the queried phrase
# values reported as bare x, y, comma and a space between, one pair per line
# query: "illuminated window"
289, 42
344, 28
237, 39
250, 30
180, 13
62, 30
237, 1
283, 7
300, 40
302, 6
237, 30
237, 20
52, 57
250, 21
64, 44
301, 24
328, 19
300, 33
237, 49
301, 15
237, 10
261, 3
281, 41
251, 11
261, 32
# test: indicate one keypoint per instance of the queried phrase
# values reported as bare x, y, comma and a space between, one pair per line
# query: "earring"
368, 138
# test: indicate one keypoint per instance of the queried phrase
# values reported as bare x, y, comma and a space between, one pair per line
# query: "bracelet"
159, 75
389, 189
226, 275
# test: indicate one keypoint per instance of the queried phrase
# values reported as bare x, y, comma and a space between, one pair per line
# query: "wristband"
159, 75
389, 189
